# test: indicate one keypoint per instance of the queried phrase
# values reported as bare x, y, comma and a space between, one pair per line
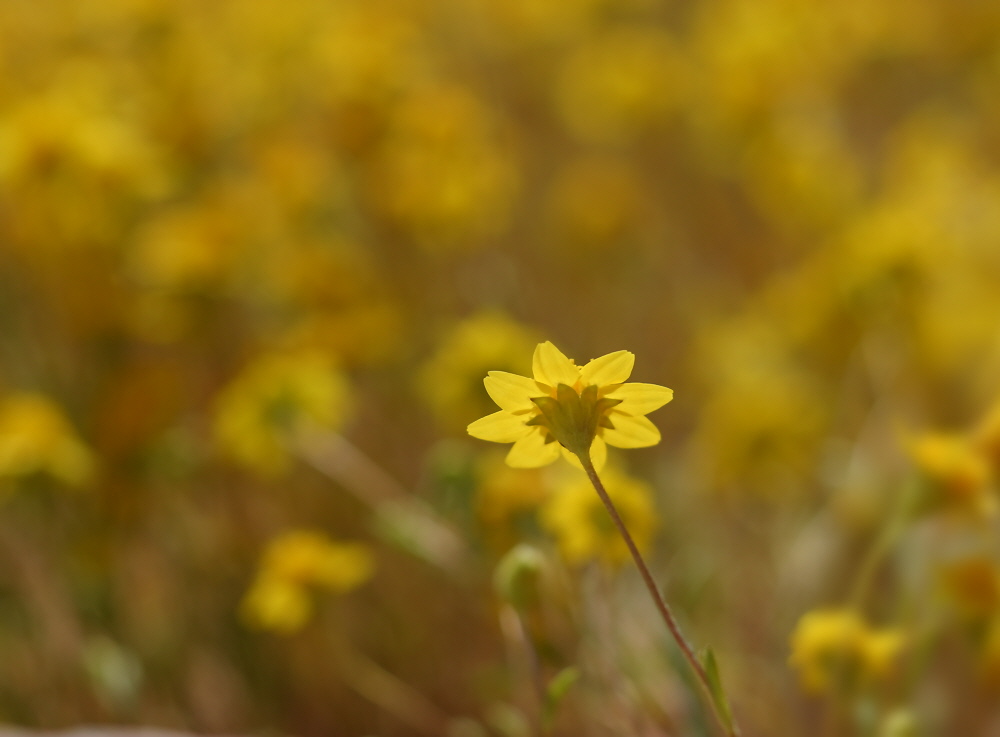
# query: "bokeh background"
256, 258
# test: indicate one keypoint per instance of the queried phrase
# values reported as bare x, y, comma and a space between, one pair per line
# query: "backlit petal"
641, 399
598, 453
571, 459
510, 391
614, 368
551, 367
630, 432
499, 427
532, 451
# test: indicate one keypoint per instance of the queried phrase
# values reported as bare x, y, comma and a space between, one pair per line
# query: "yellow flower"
277, 605
279, 597
959, 473
619, 84
576, 409
506, 498
277, 396
973, 586
582, 527
449, 381
836, 648
36, 437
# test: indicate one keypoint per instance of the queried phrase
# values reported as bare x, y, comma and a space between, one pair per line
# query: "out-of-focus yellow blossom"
836, 649
300, 174
754, 55
277, 605
594, 202
953, 333
986, 436
293, 562
504, 495
525, 22
71, 166
960, 475
274, 398
584, 531
188, 247
72, 130
451, 379
802, 173
443, 171
35, 437
578, 409
362, 333
366, 52
619, 84
763, 422
973, 585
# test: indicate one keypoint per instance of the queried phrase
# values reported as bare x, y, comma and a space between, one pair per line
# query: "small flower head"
295, 562
836, 648
36, 437
959, 475
577, 410
582, 528
278, 396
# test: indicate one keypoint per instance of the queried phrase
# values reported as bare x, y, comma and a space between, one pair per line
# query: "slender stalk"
654, 592
387, 691
896, 523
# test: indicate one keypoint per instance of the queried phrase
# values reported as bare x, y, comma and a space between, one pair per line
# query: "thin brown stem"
654, 592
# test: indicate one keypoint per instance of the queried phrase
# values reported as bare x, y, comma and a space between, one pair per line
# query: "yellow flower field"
257, 259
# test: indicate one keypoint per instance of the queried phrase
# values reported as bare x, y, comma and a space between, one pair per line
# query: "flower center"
572, 417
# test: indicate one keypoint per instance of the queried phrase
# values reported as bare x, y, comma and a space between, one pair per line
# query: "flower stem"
654, 592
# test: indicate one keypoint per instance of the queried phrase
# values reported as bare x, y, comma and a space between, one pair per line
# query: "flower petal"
499, 427
630, 432
532, 451
614, 368
571, 458
599, 453
510, 391
551, 367
641, 399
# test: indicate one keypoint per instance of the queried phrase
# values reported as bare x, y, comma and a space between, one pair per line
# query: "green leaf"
555, 692
719, 699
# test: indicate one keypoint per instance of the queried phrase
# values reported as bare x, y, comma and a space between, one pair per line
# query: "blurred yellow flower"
960, 475
367, 52
274, 398
578, 409
36, 437
765, 416
802, 173
449, 382
986, 435
619, 84
444, 173
506, 496
973, 585
279, 598
188, 247
837, 649
582, 527
595, 201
